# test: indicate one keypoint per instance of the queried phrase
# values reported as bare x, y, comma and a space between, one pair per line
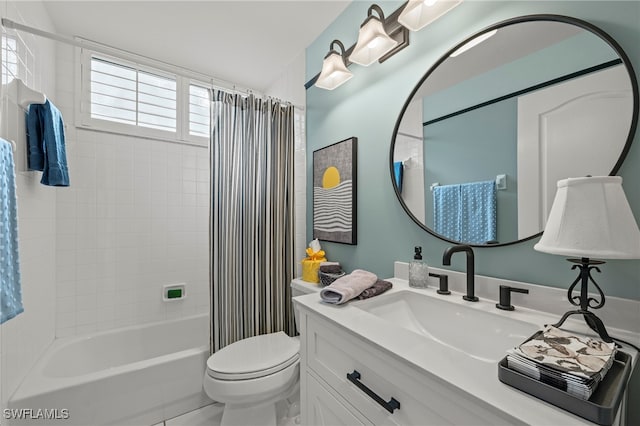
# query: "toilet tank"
300, 288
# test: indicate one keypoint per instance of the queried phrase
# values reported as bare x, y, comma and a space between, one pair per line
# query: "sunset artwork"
334, 212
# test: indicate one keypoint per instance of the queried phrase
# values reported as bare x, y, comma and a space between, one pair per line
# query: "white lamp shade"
373, 43
334, 72
417, 14
591, 218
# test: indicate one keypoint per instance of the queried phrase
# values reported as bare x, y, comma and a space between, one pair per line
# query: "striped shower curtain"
252, 217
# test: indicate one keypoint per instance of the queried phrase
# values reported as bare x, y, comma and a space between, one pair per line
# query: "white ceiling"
248, 43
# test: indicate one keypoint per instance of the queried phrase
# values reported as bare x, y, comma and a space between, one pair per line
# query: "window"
126, 95
18, 59
122, 94
199, 110
9, 59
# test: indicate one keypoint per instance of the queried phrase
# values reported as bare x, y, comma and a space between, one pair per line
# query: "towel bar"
501, 183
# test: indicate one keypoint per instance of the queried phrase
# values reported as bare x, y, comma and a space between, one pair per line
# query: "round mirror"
489, 130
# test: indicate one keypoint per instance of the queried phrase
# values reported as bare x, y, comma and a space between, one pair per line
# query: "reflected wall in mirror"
487, 133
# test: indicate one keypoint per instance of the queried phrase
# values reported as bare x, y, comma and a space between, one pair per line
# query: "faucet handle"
444, 282
505, 297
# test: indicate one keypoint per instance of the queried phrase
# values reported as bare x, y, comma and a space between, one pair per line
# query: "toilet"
252, 375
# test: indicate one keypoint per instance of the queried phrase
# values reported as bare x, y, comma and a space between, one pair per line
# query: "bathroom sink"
479, 333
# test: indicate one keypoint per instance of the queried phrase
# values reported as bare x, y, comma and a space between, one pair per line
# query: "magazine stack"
574, 364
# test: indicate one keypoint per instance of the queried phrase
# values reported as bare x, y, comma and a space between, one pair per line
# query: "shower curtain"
252, 217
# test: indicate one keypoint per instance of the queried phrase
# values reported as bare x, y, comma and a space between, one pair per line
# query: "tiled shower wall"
24, 338
134, 219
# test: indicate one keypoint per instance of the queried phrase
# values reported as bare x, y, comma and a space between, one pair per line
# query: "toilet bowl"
251, 375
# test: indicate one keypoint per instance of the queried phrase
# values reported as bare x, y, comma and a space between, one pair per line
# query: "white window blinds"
127, 95
199, 110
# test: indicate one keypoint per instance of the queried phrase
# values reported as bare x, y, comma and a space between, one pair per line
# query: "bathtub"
138, 375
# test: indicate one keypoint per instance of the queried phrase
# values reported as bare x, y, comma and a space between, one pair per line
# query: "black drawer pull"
389, 406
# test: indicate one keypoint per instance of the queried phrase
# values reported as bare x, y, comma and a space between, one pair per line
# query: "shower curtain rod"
102, 48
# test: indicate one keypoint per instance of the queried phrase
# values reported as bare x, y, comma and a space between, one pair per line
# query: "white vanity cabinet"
434, 380
323, 408
329, 353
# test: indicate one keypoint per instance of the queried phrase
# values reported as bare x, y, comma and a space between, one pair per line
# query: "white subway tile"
138, 218
86, 317
86, 329
64, 331
67, 240
86, 287
189, 160
65, 304
202, 159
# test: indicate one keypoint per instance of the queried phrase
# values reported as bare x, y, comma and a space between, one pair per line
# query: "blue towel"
10, 292
398, 171
479, 218
446, 211
45, 137
466, 212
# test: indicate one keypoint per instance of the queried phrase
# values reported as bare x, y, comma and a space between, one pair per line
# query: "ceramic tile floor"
205, 416
211, 415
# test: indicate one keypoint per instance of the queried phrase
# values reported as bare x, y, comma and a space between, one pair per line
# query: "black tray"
601, 408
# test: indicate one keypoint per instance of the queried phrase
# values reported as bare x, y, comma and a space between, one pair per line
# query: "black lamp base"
592, 321
583, 300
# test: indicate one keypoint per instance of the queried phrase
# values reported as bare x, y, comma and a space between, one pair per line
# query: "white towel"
346, 288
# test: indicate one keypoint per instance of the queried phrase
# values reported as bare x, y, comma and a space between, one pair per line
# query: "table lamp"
590, 218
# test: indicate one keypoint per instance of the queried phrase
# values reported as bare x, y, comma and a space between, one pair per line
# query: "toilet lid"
254, 357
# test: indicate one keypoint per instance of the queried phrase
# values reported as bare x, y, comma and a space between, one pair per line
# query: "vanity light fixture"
476, 41
380, 38
373, 40
417, 14
334, 68
590, 218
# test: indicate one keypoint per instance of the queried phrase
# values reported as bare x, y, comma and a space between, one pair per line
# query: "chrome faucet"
446, 260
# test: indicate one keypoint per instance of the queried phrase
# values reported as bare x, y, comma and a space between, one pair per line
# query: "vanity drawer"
424, 399
324, 408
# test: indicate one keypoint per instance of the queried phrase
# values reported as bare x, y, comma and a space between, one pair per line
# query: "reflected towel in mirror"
398, 171
466, 212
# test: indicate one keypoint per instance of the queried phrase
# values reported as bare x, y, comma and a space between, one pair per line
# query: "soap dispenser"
418, 270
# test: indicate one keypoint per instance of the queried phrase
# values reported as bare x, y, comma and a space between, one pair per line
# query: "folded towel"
10, 291
46, 144
346, 288
377, 288
331, 268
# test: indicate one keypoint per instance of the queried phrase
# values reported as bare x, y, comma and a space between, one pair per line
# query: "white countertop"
473, 376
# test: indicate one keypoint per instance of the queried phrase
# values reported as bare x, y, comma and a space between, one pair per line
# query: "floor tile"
205, 416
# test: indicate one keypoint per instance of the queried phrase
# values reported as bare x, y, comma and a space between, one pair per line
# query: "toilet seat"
254, 357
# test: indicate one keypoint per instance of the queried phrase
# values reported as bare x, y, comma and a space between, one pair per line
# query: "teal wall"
368, 106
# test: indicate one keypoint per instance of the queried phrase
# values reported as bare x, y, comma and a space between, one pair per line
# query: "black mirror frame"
525, 18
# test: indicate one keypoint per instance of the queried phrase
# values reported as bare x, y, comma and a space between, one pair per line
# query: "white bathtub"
137, 375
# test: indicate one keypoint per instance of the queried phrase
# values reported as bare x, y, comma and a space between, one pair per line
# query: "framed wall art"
334, 192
